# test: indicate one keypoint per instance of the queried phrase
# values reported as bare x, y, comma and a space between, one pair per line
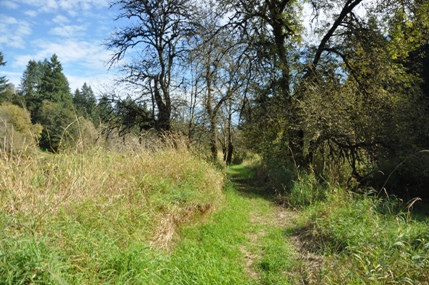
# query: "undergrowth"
364, 239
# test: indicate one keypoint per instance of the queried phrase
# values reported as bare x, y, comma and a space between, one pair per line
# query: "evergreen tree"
29, 88
54, 86
79, 102
47, 94
85, 103
3, 80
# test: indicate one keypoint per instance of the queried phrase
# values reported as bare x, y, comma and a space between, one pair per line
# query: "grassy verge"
98, 217
270, 256
102, 217
364, 239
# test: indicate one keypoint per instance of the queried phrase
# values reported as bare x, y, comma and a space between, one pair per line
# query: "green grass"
363, 245
239, 172
74, 218
103, 217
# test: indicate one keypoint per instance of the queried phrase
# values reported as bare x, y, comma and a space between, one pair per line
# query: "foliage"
59, 126
85, 104
3, 80
54, 86
17, 133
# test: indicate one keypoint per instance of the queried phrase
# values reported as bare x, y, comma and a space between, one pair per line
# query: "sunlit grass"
75, 217
363, 245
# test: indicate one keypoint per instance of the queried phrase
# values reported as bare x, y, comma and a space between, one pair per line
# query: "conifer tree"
3, 80
54, 86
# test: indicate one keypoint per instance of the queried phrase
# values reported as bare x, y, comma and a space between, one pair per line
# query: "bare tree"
158, 35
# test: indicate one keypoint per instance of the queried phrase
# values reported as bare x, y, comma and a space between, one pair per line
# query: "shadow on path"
247, 183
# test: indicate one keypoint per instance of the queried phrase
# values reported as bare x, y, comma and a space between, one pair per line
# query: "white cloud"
51, 6
60, 19
13, 77
86, 54
82, 61
67, 31
9, 4
94, 80
12, 32
31, 13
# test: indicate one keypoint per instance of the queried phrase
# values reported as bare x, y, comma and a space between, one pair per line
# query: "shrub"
17, 133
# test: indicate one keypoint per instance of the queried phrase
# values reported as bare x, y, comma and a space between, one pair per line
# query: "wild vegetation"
75, 217
324, 102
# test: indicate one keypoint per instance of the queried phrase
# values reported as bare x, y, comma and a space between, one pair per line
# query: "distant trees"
16, 130
46, 93
86, 104
4, 96
3, 80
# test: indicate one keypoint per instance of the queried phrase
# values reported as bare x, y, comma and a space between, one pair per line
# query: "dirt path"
307, 264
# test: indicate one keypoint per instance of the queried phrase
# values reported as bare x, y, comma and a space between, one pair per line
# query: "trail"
267, 216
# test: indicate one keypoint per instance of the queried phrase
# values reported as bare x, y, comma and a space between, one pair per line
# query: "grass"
365, 239
369, 247
132, 217
167, 217
82, 218
272, 255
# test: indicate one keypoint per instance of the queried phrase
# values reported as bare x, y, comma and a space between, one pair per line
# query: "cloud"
31, 13
60, 19
67, 31
96, 81
12, 31
9, 4
82, 61
53, 6
13, 77
83, 54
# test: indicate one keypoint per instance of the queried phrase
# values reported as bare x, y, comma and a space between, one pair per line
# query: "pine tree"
29, 88
54, 86
3, 80
85, 103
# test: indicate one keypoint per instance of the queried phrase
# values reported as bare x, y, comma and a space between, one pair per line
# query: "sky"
74, 30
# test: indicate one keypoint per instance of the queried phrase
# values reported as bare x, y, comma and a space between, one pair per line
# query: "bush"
60, 129
17, 133
307, 190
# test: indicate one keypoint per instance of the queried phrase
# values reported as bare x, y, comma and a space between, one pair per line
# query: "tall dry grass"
95, 201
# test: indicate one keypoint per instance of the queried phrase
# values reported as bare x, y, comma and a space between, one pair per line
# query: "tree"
3, 80
60, 128
46, 91
359, 103
86, 104
29, 88
54, 84
159, 35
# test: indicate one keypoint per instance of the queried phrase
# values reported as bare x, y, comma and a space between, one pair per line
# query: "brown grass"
169, 187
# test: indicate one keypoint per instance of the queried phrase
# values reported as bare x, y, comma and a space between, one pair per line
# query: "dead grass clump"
167, 228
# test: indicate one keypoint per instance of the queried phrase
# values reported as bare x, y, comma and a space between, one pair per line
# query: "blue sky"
72, 29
